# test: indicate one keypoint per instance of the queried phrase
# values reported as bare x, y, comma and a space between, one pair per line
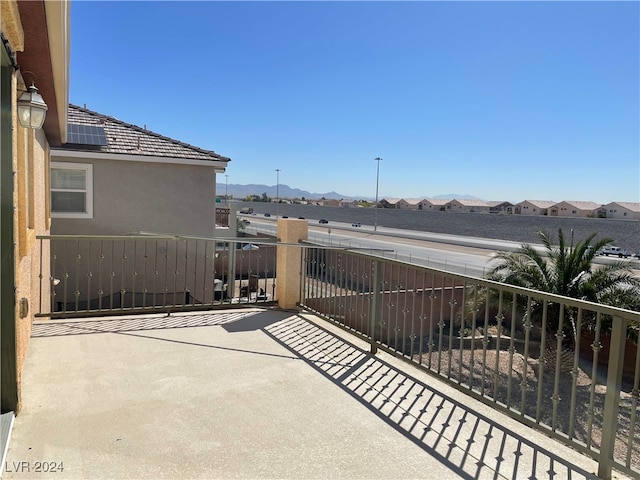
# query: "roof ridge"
146, 131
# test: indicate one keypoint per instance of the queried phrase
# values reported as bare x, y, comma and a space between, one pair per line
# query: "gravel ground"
518, 228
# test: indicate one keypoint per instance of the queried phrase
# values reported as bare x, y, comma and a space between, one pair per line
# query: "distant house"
389, 202
620, 210
533, 207
411, 203
115, 178
349, 203
434, 204
574, 209
500, 207
327, 202
467, 205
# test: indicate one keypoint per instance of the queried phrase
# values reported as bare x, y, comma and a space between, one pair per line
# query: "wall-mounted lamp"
31, 108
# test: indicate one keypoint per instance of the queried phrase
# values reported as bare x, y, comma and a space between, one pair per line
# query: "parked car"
615, 251
356, 224
323, 220
267, 214
245, 221
300, 218
250, 246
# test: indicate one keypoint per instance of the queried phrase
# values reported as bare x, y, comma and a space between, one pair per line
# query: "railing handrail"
574, 302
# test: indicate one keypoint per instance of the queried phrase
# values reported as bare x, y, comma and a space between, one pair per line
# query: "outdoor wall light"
31, 108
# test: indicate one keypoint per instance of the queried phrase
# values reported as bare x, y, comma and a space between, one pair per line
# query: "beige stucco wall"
31, 164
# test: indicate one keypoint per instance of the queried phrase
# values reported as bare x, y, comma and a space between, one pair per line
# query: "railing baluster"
474, 328
123, 276
452, 317
635, 396
512, 347
77, 269
555, 398
462, 333
541, 359
432, 298
527, 324
374, 312
485, 345
596, 346
441, 325
496, 370
574, 377
612, 396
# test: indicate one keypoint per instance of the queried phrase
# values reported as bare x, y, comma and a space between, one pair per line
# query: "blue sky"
500, 100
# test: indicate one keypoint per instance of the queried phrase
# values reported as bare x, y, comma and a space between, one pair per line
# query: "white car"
250, 246
615, 251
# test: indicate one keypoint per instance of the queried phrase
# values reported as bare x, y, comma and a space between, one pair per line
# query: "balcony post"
374, 305
612, 396
289, 261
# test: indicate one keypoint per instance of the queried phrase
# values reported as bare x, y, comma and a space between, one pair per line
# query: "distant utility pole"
277, 190
375, 221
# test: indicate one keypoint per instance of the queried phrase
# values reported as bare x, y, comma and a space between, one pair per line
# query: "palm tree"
568, 270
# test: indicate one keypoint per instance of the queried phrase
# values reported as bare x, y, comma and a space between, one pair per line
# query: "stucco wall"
130, 197
29, 259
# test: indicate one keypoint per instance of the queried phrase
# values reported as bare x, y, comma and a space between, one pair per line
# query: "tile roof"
470, 202
495, 203
125, 138
436, 201
633, 206
539, 203
580, 205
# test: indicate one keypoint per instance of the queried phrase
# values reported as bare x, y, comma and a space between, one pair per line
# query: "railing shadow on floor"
469, 443
232, 320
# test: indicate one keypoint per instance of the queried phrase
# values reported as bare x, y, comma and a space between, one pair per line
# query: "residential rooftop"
125, 138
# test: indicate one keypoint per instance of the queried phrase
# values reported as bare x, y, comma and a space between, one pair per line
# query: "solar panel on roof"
86, 134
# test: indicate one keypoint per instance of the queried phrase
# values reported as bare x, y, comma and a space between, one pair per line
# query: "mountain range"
239, 191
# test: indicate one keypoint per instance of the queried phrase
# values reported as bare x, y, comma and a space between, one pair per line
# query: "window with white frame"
71, 190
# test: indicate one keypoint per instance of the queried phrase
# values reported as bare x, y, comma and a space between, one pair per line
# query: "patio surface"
257, 394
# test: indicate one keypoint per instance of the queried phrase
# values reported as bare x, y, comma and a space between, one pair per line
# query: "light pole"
375, 221
226, 188
277, 190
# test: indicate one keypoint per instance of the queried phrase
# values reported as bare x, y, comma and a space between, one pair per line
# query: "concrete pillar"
289, 261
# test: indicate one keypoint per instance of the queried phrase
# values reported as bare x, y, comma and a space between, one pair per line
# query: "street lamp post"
375, 221
277, 190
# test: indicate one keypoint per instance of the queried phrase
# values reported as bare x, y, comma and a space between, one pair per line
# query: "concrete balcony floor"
254, 394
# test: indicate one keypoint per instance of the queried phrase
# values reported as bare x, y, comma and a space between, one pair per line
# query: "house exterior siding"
620, 210
131, 197
466, 206
574, 209
533, 207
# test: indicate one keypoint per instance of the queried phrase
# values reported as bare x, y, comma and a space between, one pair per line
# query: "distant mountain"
238, 191
457, 196
284, 191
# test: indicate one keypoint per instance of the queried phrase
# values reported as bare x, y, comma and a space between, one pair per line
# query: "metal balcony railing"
567, 367
95, 275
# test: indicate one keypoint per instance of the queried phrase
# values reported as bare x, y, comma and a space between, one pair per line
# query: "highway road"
452, 253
